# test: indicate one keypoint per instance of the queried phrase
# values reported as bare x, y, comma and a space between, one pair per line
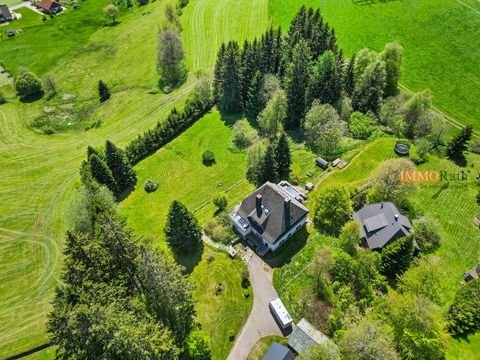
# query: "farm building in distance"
5, 14
49, 6
381, 224
269, 216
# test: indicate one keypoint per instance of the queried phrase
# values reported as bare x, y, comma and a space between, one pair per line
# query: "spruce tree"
325, 82
283, 157
120, 167
254, 103
103, 91
102, 174
296, 81
349, 78
397, 256
459, 143
218, 74
182, 229
269, 166
91, 151
231, 98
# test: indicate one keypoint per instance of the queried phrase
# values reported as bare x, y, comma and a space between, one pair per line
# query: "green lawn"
220, 314
207, 23
441, 53
262, 346
12, 2
181, 175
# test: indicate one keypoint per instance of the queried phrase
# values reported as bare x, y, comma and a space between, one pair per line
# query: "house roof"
5, 12
47, 4
278, 352
271, 211
304, 336
382, 223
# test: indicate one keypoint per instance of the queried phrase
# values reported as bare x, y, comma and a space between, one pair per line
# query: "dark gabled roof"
5, 12
382, 223
304, 336
270, 218
278, 352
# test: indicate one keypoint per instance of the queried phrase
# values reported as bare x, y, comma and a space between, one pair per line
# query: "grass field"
220, 314
207, 23
442, 54
12, 2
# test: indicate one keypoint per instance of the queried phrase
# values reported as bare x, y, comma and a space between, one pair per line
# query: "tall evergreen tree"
283, 157
349, 78
459, 143
368, 92
120, 167
103, 91
254, 102
182, 230
218, 74
269, 166
102, 174
325, 82
231, 98
296, 81
91, 151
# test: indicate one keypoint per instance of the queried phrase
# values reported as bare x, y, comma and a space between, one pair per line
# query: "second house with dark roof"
269, 216
381, 224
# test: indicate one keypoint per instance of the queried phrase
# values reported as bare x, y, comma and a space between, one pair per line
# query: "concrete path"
260, 323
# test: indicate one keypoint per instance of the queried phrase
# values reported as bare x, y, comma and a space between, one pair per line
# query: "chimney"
286, 205
259, 200
381, 206
396, 217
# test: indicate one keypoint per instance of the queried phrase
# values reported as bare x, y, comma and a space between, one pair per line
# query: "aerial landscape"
241, 180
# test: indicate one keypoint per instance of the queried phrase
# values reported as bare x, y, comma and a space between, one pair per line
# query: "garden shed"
321, 162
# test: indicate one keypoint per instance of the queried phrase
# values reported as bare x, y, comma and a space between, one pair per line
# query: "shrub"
464, 314
220, 201
219, 288
245, 279
361, 126
210, 259
103, 91
426, 234
231, 335
28, 84
198, 346
3, 100
150, 186
243, 134
208, 158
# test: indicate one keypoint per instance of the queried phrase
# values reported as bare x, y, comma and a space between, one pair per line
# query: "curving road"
260, 323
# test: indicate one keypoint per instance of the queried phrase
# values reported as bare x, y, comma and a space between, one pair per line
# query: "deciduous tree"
170, 57
332, 209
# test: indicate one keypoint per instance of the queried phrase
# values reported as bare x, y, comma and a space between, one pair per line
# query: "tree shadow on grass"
372, 2
288, 250
230, 119
459, 160
190, 261
32, 98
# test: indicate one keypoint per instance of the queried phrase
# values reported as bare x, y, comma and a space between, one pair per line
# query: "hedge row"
165, 131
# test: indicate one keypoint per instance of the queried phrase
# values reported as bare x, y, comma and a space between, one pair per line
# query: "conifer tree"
103, 91
349, 78
283, 157
368, 92
218, 74
397, 256
459, 143
182, 229
120, 167
325, 82
91, 150
269, 166
254, 103
231, 98
102, 174
296, 81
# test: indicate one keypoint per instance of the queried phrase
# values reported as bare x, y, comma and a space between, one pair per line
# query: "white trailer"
280, 313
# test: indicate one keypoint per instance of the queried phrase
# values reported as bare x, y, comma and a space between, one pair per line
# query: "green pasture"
439, 37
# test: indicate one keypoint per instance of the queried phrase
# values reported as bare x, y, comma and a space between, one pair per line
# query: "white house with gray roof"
270, 216
381, 224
